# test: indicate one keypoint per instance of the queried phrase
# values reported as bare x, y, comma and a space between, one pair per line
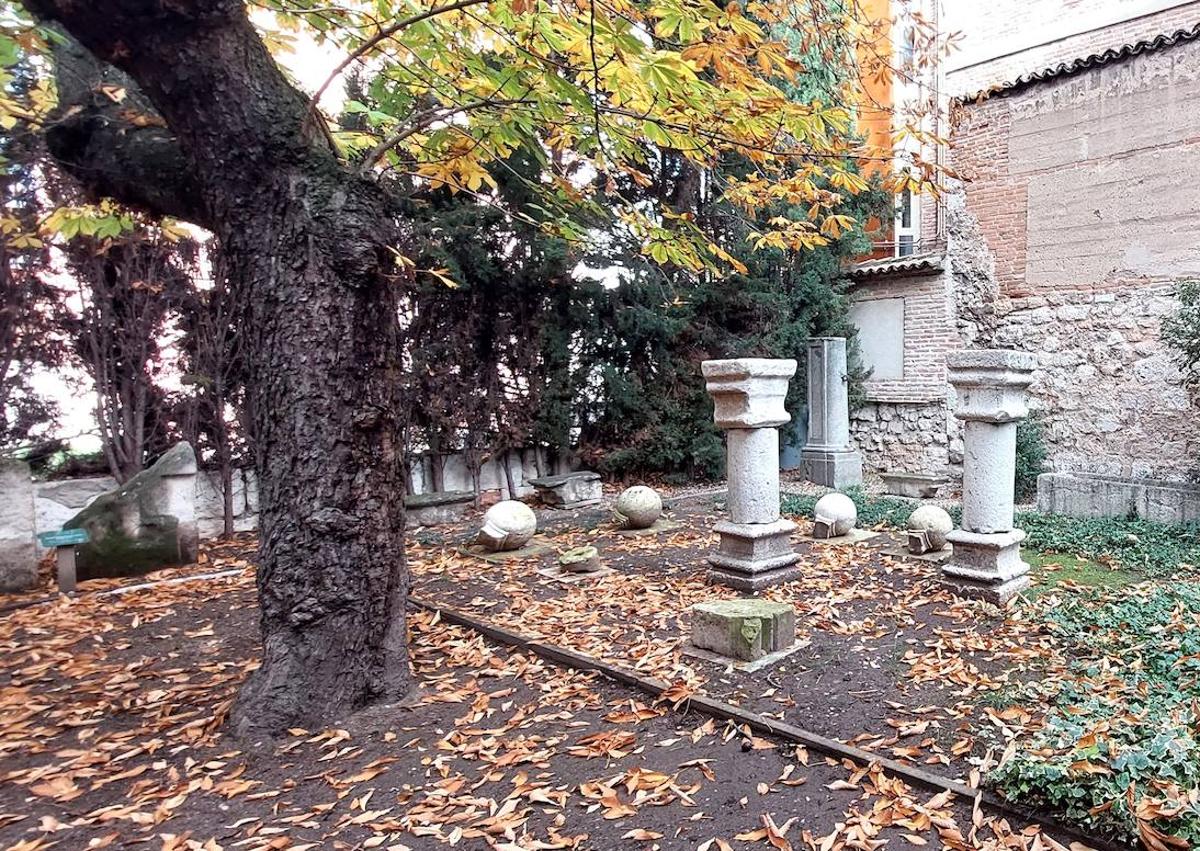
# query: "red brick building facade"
1074, 219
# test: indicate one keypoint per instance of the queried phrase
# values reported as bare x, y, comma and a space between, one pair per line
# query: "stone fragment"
585, 559
147, 523
928, 527
433, 509
913, 485
834, 515
992, 391
745, 629
638, 507
18, 552
748, 394
570, 490
827, 457
507, 525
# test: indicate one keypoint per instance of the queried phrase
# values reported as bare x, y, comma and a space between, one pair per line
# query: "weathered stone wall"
524, 464
1079, 188
1107, 387
210, 506
905, 437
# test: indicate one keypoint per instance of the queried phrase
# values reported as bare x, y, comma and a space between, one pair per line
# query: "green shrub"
1181, 331
1031, 455
1125, 713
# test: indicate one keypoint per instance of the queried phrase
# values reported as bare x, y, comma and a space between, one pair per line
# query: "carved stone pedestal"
756, 549
991, 386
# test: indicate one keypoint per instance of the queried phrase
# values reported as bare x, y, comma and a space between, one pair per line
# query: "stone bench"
432, 509
572, 490
913, 485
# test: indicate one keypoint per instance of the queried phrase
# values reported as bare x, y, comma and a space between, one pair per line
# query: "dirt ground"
113, 706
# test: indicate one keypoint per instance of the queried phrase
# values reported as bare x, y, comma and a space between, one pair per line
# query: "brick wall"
928, 334
1004, 39
1082, 188
1075, 182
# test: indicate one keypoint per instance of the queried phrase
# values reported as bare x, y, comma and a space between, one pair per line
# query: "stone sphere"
639, 506
839, 511
507, 525
935, 522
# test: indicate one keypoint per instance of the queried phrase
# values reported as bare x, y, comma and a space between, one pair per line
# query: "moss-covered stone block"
147, 523
745, 629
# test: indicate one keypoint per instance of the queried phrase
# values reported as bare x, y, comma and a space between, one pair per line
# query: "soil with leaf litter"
112, 737
890, 659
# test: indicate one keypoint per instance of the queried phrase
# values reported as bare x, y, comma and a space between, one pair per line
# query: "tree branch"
384, 34
116, 144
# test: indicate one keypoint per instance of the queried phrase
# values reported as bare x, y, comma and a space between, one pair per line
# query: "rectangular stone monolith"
828, 458
18, 551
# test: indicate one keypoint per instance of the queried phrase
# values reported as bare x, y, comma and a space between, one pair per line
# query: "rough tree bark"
305, 241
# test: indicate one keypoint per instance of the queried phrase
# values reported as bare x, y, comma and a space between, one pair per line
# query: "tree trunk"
505, 459
306, 245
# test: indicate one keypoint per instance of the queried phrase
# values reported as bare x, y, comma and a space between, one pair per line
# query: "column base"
832, 468
987, 566
753, 556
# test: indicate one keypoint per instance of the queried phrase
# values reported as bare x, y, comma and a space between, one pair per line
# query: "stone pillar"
828, 458
991, 386
756, 547
18, 553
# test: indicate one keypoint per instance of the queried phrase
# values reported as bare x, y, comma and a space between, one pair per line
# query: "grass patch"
1156, 549
1120, 748
1054, 569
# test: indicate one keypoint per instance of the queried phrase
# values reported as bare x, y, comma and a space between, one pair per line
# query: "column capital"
991, 384
749, 392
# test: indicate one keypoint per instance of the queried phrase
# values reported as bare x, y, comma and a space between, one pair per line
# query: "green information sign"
63, 537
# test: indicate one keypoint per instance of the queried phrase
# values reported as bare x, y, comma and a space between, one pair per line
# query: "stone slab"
689, 649
533, 549
851, 538
571, 490
659, 527
1000, 595
1091, 495
434, 509
746, 629
566, 577
901, 552
145, 524
913, 485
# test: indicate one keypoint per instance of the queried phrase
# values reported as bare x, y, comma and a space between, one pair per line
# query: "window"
908, 224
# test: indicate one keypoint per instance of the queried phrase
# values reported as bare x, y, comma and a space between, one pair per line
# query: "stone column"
756, 548
991, 386
828, 458
18, 555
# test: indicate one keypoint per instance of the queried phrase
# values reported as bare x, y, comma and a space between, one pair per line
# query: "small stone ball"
639, 507
839, 511
935, 522
507, 525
